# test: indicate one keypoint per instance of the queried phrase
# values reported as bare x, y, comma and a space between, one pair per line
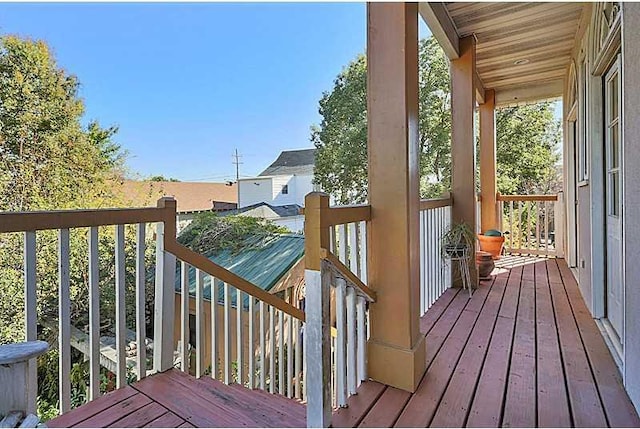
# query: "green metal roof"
263, 267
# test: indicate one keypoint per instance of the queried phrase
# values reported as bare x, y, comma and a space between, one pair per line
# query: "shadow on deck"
522, 352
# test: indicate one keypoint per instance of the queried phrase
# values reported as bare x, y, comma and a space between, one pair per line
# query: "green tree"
528, 136
49, 160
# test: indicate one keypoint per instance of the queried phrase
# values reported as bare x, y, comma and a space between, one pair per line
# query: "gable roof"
299, 162
263, 267
265, 210
190, 196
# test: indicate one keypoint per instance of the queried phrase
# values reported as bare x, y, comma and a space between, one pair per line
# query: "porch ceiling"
522, 48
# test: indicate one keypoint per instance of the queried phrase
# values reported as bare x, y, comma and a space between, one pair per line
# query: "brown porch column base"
397, 367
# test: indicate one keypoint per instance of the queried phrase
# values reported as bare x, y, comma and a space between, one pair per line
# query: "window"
285, 189
612, 139
583, 147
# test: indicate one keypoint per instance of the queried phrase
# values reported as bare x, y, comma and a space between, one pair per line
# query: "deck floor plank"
386, 410
584, 399
358, 405
424, 402
75, 416
112, 414
617, 405
437, 310
456, 400
486, 408
553, 406
141, 417
520, 400
167, 420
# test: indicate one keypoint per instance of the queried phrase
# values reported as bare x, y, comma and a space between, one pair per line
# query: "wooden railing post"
318, 323
558, 215
164, 288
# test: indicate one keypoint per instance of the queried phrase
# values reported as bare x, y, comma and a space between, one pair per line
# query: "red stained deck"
522, 352
175, 399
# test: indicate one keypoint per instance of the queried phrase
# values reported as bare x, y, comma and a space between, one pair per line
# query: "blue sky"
189, 83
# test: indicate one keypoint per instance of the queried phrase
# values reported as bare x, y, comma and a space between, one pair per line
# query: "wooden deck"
522, 352
175, 399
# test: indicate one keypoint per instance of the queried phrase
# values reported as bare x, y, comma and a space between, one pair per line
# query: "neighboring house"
287, 216
285, 182
277, 267
191, 197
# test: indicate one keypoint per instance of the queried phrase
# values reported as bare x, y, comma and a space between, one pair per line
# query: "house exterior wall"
255, 190
631, 195
278, 183
292, 223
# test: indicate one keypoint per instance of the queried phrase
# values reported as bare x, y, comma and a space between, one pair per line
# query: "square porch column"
488, 184
396, 348
463, 166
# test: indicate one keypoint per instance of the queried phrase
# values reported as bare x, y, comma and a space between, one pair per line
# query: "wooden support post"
318, 317
396, 348
463, 166
164, 289
488, 184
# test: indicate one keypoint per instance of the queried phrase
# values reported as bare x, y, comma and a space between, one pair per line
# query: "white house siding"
631, 195
255, 190
277, 197
292, 223
304, 185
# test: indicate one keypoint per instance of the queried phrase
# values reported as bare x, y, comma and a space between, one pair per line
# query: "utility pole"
236, 156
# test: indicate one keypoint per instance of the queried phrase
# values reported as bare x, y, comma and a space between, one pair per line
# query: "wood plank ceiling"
519, 44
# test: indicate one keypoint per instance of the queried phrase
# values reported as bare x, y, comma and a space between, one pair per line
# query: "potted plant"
458, 241
492, 241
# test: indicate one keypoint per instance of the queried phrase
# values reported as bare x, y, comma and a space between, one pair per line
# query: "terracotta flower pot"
492, 245
485, 264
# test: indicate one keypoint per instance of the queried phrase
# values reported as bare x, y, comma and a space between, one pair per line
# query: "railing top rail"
435, 203
348, 275
527, 197
208, 266
340, 215
60, 219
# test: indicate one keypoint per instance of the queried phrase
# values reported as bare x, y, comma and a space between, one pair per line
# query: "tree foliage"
528, 136
209, 233
49, 160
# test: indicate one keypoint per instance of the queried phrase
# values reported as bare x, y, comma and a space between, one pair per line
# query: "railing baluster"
423, 306
251, 358
272, 350
94, 315
281, 365
263, 366
184, 319
227, 336
30, 312
141, 326
64, 321
512, 233
342, 244
353, 247
239, 361
363, 251
304, 365
199, 323
289, 356
341, 343
121, 327
351, 341
298, 362
538, 231
215, 337
362, 340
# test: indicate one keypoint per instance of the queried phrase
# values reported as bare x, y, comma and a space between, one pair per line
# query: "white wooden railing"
336, 304
254, 337
87, 222
435, 272
259, 346
534, 223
